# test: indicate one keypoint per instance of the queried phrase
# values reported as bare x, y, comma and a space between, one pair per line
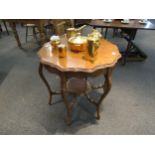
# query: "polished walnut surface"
117, 24
107, 56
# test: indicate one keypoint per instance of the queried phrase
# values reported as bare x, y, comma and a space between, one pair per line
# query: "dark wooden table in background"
134, 24
132, 27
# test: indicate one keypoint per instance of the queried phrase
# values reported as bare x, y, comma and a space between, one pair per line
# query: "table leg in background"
13, 26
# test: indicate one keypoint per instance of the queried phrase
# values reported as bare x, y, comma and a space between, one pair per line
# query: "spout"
80, 28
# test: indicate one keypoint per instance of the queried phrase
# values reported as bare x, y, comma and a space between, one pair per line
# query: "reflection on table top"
133, 24
107, 56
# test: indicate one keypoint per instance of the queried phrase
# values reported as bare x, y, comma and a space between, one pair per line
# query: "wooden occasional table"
133, 26
75, 66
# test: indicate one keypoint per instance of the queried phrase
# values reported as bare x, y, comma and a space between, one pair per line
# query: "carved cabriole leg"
64, 96
106, 88
46, 83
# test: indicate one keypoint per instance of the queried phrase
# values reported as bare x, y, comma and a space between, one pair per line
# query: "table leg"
106, 31
13, 26
64, 96
106, 88
46, 83
42, 34
127, 51
1, 28
5, 27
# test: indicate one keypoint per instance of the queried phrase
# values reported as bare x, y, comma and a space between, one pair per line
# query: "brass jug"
72, 32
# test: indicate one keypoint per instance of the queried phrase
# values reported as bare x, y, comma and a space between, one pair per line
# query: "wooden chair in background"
33, 27
5, 25
60, 26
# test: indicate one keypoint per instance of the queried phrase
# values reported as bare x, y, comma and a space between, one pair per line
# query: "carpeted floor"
128, 109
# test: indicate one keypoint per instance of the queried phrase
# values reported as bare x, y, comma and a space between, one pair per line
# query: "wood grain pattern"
107, 56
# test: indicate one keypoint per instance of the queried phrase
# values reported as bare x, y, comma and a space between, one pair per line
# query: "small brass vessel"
55, 41
62, 50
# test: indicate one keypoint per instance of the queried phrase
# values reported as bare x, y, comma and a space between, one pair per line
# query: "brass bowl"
78, 44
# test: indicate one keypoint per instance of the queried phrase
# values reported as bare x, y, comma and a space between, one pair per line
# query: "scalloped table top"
107, 56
